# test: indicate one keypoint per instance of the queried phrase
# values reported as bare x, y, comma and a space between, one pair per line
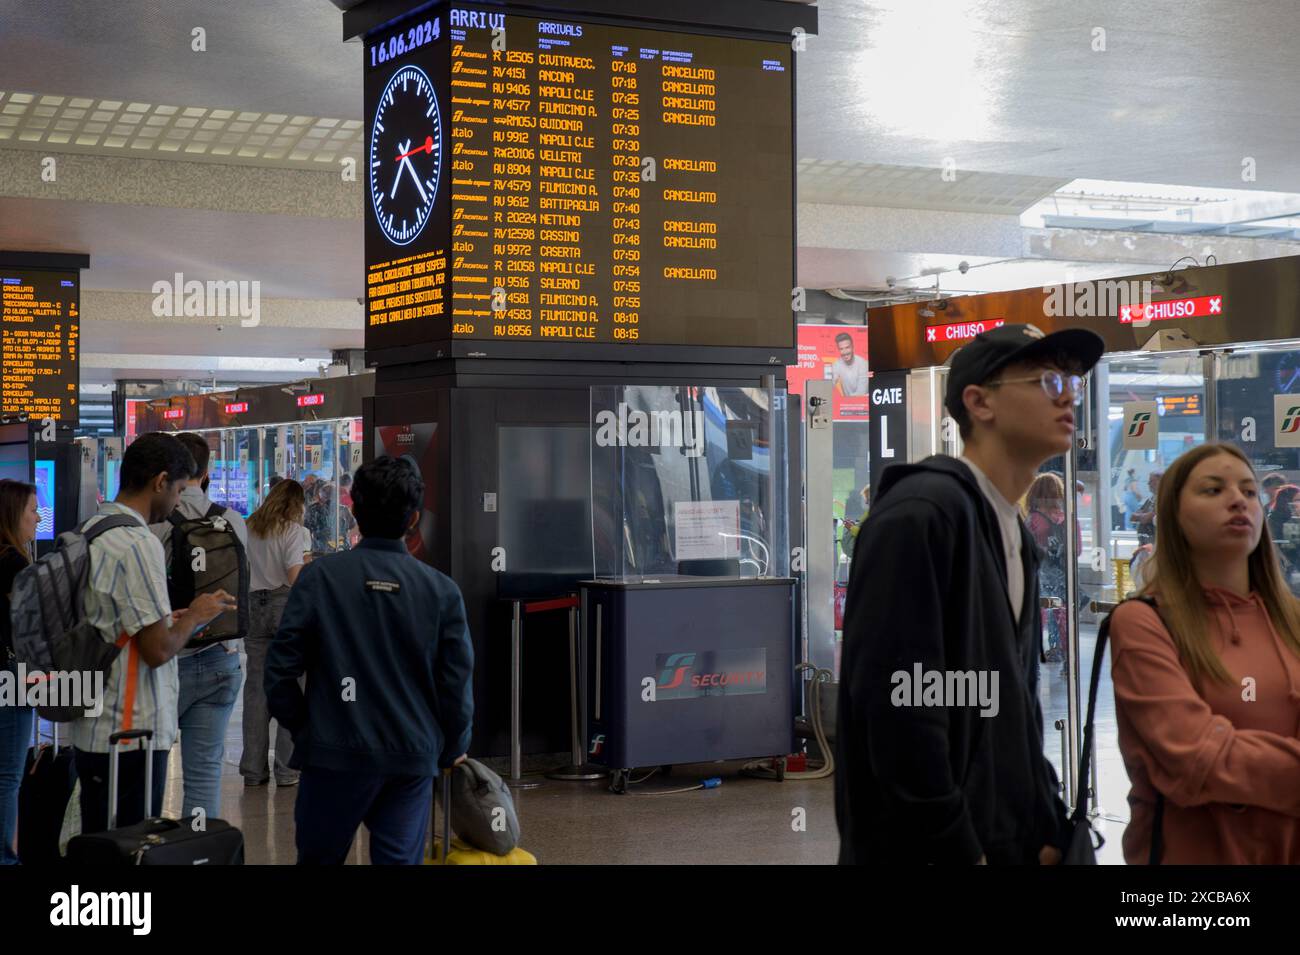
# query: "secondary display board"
39, 348
549, 181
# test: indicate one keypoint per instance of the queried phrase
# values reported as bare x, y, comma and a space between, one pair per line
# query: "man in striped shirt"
126, 600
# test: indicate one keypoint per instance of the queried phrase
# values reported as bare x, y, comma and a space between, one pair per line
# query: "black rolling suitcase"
155, 841
48, 780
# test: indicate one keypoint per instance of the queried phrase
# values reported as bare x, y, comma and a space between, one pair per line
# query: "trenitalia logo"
1291, 423
692, 674
1139, 424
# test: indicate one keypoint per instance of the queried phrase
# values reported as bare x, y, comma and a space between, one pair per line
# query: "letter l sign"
885, 450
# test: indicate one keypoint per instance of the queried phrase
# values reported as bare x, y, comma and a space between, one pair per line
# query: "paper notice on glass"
707, 529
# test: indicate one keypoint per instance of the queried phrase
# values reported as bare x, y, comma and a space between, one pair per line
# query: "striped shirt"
127, 592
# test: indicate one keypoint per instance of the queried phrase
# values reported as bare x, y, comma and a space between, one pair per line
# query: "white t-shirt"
852, 378
1009, 520
271, 558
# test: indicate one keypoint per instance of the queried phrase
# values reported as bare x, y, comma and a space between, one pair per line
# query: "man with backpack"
204, 548
126, 602
927, 769
383, 641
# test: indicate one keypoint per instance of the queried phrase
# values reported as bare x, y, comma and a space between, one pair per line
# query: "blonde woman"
1207, 684
278, 545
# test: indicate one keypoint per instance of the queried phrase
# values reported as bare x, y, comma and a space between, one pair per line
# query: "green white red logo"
1291, 421
1139, 424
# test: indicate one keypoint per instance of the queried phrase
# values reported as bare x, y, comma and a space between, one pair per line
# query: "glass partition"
688, 480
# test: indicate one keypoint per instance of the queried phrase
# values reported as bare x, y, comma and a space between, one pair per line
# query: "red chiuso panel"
1206, 305
960, 331
238, 407
310, 401
173, 414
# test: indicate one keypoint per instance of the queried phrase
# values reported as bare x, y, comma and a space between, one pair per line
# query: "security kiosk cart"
690, 622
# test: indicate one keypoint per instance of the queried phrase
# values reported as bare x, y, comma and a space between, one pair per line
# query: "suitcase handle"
446, 814
113, 753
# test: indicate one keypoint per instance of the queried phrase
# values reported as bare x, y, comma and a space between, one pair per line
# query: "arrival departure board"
552, 181
39, 348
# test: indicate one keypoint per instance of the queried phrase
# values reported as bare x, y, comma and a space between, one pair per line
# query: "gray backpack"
47, 612
482, 812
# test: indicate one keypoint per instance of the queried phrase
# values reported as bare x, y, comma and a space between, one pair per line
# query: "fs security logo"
1140, 422
692, 674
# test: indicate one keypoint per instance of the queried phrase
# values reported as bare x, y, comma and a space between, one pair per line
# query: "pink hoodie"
1229, 767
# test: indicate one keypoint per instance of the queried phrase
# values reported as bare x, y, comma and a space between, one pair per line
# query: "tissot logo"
627, 428
1139, 424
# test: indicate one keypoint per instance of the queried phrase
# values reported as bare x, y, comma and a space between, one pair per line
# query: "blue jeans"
331, 805
210, 683
15, 738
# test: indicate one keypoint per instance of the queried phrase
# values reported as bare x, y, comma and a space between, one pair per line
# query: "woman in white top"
278, 545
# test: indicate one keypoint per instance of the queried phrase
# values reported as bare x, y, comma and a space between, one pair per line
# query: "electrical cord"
766, 768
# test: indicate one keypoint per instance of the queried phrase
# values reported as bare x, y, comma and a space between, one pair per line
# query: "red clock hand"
426, 148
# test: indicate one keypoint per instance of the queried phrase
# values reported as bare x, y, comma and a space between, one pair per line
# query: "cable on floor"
766, 768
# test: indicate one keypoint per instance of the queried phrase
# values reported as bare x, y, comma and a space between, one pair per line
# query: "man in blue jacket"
940, 734
383, 641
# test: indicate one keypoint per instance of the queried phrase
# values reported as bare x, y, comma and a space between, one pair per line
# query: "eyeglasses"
1053, 384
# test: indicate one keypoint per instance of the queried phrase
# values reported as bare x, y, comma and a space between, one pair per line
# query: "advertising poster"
837, 353
416, 442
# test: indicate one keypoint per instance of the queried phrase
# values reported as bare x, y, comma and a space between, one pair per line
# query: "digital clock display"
574, 184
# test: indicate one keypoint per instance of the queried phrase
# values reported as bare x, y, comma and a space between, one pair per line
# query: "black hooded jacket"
933, 783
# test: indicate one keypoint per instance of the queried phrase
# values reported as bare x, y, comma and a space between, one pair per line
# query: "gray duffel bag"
482, 812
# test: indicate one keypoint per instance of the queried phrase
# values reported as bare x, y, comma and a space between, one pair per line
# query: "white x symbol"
1125, 313
929, 334
1216, 305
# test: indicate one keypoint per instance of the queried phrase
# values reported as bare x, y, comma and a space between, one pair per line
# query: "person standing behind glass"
18, 520
278, 545
1044, 511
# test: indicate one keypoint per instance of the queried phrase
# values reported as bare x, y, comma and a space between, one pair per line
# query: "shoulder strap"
216, 510
1098, 656
107, 524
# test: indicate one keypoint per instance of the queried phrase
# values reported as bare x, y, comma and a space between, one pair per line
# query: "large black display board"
39, 347
589, 190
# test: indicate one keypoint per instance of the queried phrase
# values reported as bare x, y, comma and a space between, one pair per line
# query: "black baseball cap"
989, 352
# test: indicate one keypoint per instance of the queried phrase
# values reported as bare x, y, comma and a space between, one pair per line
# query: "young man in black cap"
942, 600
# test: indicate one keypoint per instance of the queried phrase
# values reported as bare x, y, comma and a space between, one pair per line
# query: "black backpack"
204, 555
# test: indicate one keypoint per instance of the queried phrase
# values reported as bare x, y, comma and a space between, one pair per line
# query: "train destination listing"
39, 328
604, 184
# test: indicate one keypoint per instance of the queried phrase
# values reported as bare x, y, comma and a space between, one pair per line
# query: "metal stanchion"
578, 769
516, 780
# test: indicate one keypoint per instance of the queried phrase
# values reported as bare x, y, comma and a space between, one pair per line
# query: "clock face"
405, 155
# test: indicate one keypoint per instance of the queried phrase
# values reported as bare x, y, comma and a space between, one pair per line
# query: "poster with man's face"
837, 353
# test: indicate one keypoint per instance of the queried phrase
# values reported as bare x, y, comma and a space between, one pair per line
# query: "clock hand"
426, 148
398, 177
407, 162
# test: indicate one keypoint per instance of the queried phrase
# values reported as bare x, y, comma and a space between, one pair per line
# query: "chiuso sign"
1204, 306
960, 331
